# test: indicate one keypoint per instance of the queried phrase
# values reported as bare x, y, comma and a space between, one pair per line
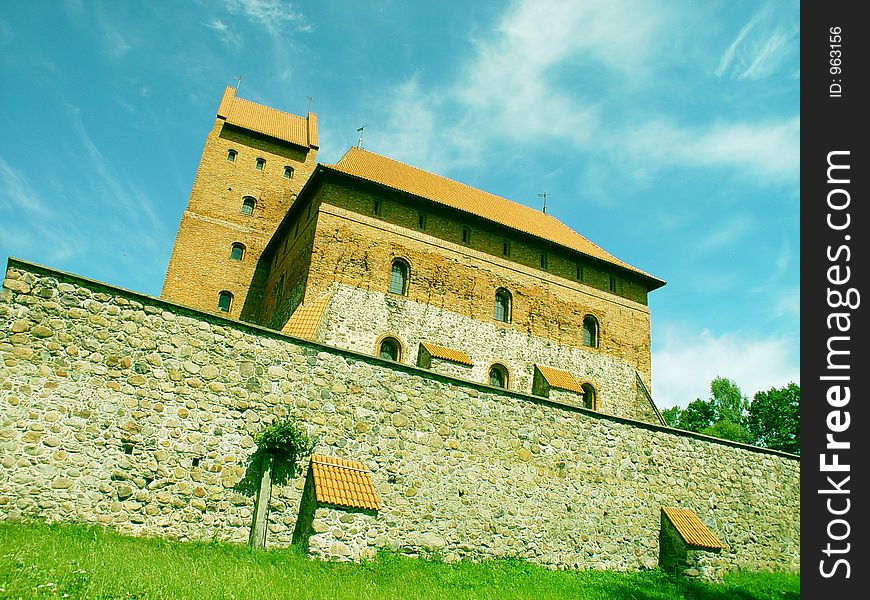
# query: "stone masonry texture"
137, 413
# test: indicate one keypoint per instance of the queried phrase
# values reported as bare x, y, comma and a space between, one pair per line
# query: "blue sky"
666, 132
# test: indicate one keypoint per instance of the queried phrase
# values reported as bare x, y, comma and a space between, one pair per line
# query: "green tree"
775, 420
723, 415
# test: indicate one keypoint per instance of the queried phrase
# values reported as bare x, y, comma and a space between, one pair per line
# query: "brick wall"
199, 266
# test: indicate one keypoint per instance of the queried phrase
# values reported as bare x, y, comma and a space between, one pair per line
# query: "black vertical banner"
835, 370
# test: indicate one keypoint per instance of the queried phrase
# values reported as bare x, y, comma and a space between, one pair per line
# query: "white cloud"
537, 76
39, 230
687, 361
723, 234
116, 45
224, 33
271, 14
761, 46
768, 150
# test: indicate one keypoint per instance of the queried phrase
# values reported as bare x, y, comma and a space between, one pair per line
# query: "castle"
376, 256
475, 374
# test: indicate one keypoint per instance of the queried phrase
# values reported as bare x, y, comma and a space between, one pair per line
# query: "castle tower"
255, 161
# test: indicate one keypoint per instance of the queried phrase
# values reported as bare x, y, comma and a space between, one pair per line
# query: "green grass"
75, 561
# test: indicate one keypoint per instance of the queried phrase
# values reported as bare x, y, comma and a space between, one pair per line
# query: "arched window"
237, 252
261, 164
231, 155
589, 399
288, 172
498, 376
225, 301
590, 331
399, 277
502, 309
390, 349
248, 205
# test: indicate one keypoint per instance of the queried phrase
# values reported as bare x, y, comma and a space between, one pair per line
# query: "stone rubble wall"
356, 318
125, 410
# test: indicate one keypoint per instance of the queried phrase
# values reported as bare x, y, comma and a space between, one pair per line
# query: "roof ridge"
457, 182
434, 187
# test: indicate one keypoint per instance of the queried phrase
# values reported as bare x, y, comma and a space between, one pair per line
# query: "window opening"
399, 277
389, 349
502, 309
225, 301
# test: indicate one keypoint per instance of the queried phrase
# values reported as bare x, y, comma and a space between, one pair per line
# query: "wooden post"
261, 506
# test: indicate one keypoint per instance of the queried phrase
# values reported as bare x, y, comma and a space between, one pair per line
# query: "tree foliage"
284, 440
775, 418
771, 420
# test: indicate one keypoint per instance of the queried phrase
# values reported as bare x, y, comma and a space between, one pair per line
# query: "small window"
579, 272
421, 221
225, 301
589, 399
502, 309
543, 260
288, 172
498, 376
248, 205
261, 164
376, 208
231, 155
279, 289
237, 252
506, 248
613, 284
466, 235
590, 331
296, 231
399, 277
389, 349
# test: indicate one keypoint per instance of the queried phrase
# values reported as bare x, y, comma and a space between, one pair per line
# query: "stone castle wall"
353, 314
126, 410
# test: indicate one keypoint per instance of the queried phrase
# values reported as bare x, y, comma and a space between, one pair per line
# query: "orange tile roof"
691, 529
307, 317
562, 380
385, 171
268, 121
446, 353
343, 483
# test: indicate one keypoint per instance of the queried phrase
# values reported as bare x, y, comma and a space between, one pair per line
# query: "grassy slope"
71, 561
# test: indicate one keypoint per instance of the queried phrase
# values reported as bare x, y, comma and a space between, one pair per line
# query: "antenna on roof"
239, 82
544, 196
360, 140
309, 103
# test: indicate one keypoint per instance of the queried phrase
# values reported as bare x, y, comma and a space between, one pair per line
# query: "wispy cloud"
688, 360
115, 193
761, 46
724, 234
539, 73
271, 14
770, 151
225, 33
41, 229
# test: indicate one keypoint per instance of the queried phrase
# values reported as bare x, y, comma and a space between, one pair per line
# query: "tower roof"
278, 124
400, 176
